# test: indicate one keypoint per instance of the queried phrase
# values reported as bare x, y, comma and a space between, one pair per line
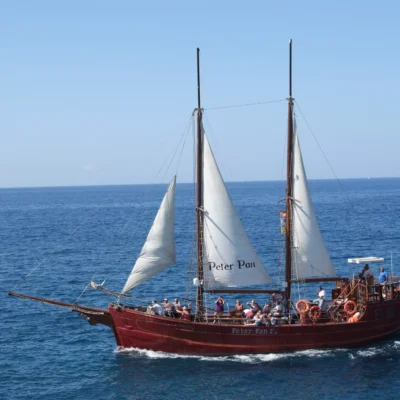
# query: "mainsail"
158, 251
310, 257
230, 259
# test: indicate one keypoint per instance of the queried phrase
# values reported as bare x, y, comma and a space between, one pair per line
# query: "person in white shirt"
321, 297
177, 305
278, 310
156, 308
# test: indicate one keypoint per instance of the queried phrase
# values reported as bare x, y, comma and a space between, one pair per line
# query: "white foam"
270, 357
151, 353
245, 358
368, 352
257, 358
379, 349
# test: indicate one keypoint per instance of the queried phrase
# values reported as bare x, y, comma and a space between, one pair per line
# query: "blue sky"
99, 92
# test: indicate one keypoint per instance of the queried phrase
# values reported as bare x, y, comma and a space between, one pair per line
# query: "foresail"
309, 254
158, 251
230, 259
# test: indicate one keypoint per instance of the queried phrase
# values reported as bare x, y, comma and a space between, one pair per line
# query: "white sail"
310, 257
230, 259
158, 251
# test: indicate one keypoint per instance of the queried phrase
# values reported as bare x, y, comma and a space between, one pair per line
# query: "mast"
199, 209
289, 184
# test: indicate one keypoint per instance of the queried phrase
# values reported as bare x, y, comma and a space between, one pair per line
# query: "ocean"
55, 240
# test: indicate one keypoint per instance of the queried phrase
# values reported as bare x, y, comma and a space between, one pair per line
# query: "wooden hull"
137, 329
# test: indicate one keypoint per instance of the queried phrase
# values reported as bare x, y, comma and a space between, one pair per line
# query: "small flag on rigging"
282, 215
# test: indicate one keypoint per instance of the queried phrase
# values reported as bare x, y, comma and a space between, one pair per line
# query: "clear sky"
99, 92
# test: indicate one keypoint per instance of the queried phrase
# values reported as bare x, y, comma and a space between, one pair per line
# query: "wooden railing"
355, 290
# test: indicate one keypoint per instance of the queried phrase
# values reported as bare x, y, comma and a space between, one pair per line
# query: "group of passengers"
382, 280
366, 273
168, 309
254, 314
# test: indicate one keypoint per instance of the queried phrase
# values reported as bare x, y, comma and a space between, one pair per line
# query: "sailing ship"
358, 313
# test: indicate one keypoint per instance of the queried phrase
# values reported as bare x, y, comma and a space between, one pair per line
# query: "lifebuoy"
315, 313
302, 306
350, 307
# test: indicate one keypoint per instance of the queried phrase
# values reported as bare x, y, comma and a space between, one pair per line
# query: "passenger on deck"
177, 305
253, 307
367, 274
383, 277
274, 300
238, 308
185, 314
321, 297
158, 310
267, 309
259, 319
383, 280
278, 310
219, 307
168, 309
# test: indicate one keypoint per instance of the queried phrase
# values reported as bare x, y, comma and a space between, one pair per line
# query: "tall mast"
289, 184
200, 273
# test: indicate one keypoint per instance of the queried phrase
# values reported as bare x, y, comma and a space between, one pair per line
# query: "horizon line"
183, 183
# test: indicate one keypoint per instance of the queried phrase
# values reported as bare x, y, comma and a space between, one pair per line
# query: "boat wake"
371, 351
383, 349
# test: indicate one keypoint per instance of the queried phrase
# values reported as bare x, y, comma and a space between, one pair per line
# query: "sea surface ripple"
97, 233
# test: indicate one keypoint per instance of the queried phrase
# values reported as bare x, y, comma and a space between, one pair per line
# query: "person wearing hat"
168, 312
177, 305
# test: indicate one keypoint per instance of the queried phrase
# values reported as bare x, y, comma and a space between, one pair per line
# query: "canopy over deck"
367, 260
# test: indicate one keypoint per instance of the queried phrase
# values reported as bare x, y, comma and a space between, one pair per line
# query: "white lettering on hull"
257, 331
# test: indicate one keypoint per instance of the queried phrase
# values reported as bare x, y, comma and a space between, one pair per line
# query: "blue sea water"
78, 233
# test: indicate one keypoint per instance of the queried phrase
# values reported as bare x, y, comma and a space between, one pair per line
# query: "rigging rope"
183, 138
244, 105
183, 145
326, 158
215, 147
327, 161
174, 151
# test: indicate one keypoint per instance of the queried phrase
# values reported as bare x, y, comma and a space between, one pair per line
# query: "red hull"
136, 329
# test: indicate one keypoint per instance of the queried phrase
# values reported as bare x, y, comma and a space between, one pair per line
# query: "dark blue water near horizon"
78, 233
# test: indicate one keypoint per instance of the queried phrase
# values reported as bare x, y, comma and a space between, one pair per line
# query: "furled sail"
230, 259
310, 257
158, 251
